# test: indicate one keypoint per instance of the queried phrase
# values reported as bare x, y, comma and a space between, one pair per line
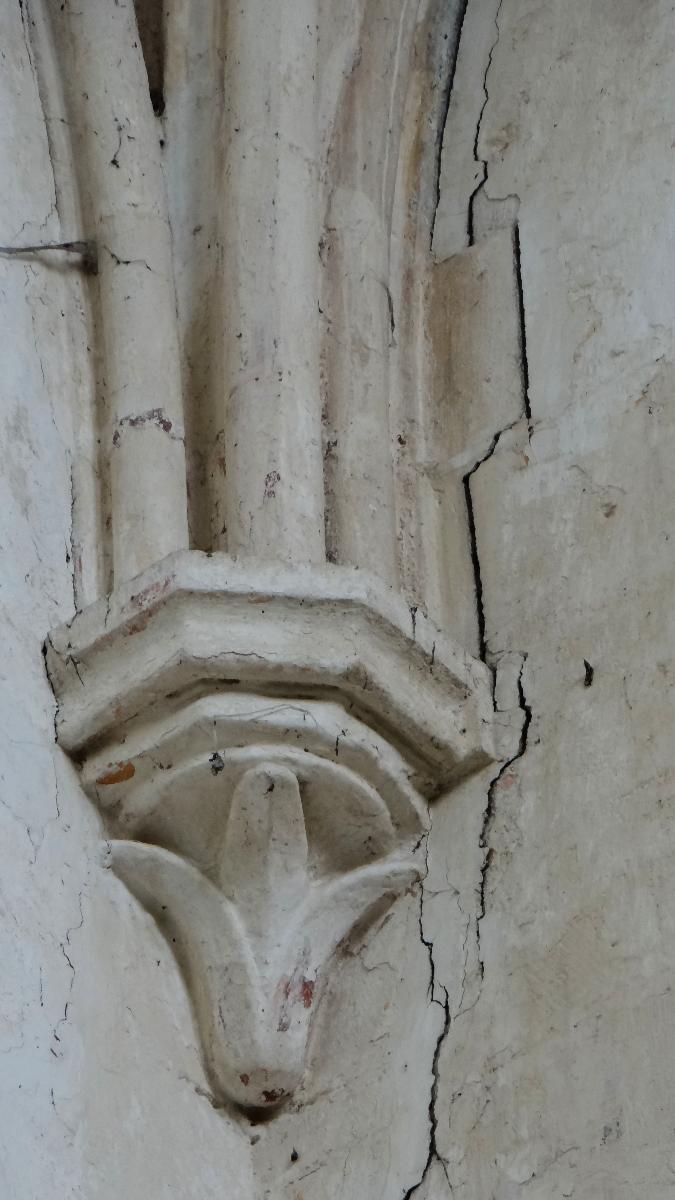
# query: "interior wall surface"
506, 1029
100, 1074
103, 1091
555, 1075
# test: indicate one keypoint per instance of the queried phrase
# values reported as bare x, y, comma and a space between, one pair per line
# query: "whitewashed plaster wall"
547, 913
555, 1078
97, 1077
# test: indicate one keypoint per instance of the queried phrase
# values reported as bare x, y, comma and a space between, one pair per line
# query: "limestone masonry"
337, 789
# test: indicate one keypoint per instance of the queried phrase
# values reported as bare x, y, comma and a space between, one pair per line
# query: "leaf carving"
253, 945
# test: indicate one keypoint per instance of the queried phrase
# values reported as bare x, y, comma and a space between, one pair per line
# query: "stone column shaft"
359, 468
125, 216
272, 412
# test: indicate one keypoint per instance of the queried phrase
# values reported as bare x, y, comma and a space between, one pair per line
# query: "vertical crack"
489, 813
444, 1004
445, 108
473, 537
473, 544
436, 988
45, 652
488, 816
522, 328
26, 22
71, 554
481, 162
67, 943
527, 414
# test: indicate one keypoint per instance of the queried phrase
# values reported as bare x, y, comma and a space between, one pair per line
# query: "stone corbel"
261, 742
261, 726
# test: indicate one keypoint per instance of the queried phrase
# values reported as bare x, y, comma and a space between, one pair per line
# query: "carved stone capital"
261, 741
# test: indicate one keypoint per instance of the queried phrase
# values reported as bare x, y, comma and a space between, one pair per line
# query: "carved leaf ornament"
253, 942
261, 745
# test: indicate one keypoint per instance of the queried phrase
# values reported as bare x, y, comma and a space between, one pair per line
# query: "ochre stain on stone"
153, 592
149, 601
120, 773
139, 624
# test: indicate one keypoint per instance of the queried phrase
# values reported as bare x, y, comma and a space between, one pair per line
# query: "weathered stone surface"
554, 1080
98, 1076
497, 446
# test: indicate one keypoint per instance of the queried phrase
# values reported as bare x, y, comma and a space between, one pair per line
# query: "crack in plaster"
445, 108
66, 942
525, 707
488, 815
473, 538
490, 806
489, 812
444, 1004
482, 162
25, 20
71, 551
522, 328
35, 833
127, 262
